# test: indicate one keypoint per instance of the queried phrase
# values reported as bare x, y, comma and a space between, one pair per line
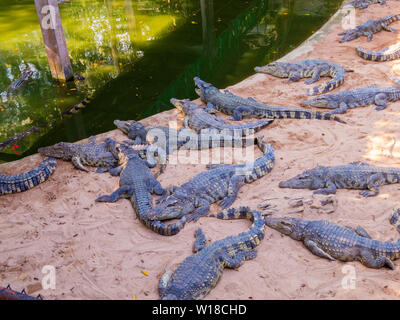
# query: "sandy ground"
100, 250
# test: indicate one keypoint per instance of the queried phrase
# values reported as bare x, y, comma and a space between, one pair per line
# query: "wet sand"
99, 250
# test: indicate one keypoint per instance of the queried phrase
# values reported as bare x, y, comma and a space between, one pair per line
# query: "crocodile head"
175, 206
183, 105
322, 101
309, 179
349, 35
134, 129
61, 150
205, 90
292, 227
277, 69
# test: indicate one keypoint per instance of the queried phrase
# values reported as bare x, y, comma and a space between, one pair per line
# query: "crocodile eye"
286, 223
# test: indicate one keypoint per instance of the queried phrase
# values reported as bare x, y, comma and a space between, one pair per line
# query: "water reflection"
135, 56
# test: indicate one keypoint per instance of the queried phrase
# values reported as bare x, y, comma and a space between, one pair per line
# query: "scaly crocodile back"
198, 274
27, 180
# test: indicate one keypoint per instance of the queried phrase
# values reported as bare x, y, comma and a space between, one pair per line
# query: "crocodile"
335, 242
27, 180
312, 68
370, 27
358, 97
169, 139
363, 4
239, 107
198, 274
220, 182
395, 218
18, 136
137, 182
386, 54
26, 75
9, 294
91, 154
355, 175
197, 119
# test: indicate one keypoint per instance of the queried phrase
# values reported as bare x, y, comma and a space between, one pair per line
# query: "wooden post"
54, 40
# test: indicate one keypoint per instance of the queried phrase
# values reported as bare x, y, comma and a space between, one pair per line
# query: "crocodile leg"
102, 169
380, 101
200, 241
202, 210
312, 246
373, 183
237, 114
294, 76
387, 28
237, 260
167, 192
210, 108
233, 189
330, 189
315, 76
370, 261
116, 171
186, 122
342, 109
117, 194
155, 187
362, 232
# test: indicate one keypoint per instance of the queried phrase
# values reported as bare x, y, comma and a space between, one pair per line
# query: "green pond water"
135, 56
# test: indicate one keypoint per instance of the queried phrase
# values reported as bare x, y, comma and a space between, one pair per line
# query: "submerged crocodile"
356, 175
9, 294
386, 54
313, 69
332, 241
370, 27
169, 139
198, 274
197, 119
363, 4
137, 182
222, 182
359, 97
91, 154
240, 107
26, 75
27, 180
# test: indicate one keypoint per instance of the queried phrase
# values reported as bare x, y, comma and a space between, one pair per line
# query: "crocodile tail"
377, 56
252, 237
391, 18
76, 108
303, 114
248, 129
27, 180
337, 73
162, 228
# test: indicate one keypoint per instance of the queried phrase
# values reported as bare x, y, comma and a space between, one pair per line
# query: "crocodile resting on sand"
240, 107
197, 119
27, 180
312, 69
335, 242
356, 175
220, 183
170, 139
363, 4
370, 27
91, 154
137, 183
198, 274
359, 97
